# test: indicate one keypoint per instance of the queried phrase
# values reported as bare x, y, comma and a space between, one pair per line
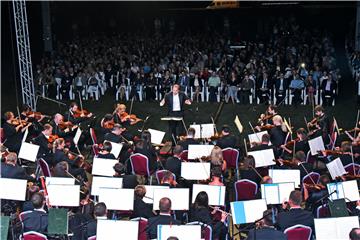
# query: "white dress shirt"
176, 103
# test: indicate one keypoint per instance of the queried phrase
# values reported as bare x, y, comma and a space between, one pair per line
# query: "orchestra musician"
34, 117
175, 101
189, 139
217, 159
314, 192
227, 139
263, 145
36, 219
43, 140
122, 117
100, 212
266, 119
216, 175
13, 131
247, 170
301, 143
61, 128
173, 163
10, 169
277, 133
141, 209
144, 147
77, 115
321, 123
105, 151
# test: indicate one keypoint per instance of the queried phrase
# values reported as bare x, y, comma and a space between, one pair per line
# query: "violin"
79, 160
81, 113
132, 117
287, 163
17, 122
109, 124
36, 115
290, 144
353, 130
314, 187
63, 125
52, 138
266, 127
333, 152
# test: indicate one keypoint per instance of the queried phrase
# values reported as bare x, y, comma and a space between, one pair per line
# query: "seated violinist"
29, 115
13, 131
189, 139
77, 115
61, 128
345, 153
217, 159
266, 119
106, 124
248, 171
299, 144
105, 151
44, 141
122, 117
168, 180
227, 139
10, 169
298, 162
263, 145
314, 192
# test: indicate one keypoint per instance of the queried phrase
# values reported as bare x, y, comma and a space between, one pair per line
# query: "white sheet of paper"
105, 182
336, 168
182, 232
13, 189
77, 136
316, 144
203, 130
256, 137
216, 194
156, 136
117, 198
335, 228
348, 190
285, 176
195, 170
25, 135
238, 124
247, 211
149, 196
198, 151
276, 193
64, 195
59, 181
116, 148
106, 229
179, 198
171, 118
28, 151
263, 158
104, 167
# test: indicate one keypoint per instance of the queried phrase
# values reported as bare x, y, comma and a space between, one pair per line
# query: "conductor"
175, 101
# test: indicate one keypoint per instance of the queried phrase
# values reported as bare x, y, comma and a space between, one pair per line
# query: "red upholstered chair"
160, 174
298, 232
140, 164
184, 155
44, 168
206, 232
2, 135
231, 156
323, 211
351, 167
142, 227
32, 235
312, 175
92, 237
245, 190
95, 147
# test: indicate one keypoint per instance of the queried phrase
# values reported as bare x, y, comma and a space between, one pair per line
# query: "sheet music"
276, 193
25, 135
238, 124
106, 229
335, 228
156, 136
247, 211
59, 181
105, 182
116, 148
104, 167
171, 118
285, 176
336, 168
13, 189
149, 196
179, 198
77, 136
263, 158
182, 232
28, 151
348, 190
198, 151
195, 170
64, 195
256, 137
117, 198
316, 144
216, 194
203, 130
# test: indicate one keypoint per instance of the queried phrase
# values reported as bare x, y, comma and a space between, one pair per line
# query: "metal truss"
24, 55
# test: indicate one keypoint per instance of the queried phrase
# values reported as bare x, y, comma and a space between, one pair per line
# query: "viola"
52, 138
109, 124
290, 144
63, 125
80, 113
36, 115
132, 117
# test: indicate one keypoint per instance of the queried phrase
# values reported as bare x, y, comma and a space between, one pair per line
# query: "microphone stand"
327, 195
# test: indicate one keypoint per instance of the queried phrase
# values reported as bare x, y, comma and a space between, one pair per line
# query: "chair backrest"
245, 190
140, 164
184, 155
2, 135
95, 150
32, 235
323, 211
44, 167
352, 169
206, 232
312, 175
142, 227
309, 158
160, 174
93, 136
92, 237
298, 232
231, 156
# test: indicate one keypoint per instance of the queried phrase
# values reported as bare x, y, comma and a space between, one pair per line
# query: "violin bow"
306, 124
246, 150
252, 128
215, 128
81, 106
131, 105
356, 123
352, 159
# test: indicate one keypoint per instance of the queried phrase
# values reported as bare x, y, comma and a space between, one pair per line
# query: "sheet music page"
105, 229
77, 136
25, 135
325, 228
207, 130
284, 191
179, 198
336, 168
238, 124
254, 209
117, 198
338, 187
64, 195
59, 180
256, 137
351, 190
344, 225
28, 151
186, 232
316, 144
104, 167
263, 158
285, 176
149, 196
13, 189
156, 136
197, 130
116, 148
105, 182
216, 194
198, 151
270, 192
195, 170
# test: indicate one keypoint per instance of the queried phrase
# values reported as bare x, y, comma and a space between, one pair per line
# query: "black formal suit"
106, 156
60, 156
228, 141
129, 181
277, 136
293, 217
17, 172
280, 94
36, 220
266, 233
58, 131
188, 141
261, 147
328, 95
142, 209
111, 137
13, 137
250, 175
91, 228
173, 164
44, 150
159, 220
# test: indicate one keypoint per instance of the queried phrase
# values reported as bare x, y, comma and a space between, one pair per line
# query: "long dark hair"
201, 200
